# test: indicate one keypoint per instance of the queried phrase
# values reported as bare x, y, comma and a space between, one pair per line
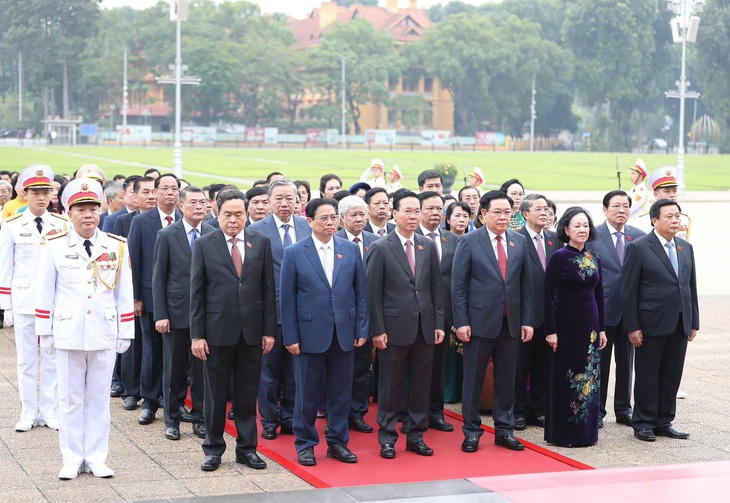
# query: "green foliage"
713, 65
347, 3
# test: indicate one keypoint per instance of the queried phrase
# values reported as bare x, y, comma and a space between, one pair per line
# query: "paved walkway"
149, 467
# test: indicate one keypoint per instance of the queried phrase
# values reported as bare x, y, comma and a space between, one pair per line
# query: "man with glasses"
20, 243
406, 320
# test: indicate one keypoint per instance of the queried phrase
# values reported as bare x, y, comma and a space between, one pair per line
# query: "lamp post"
533, 116
344, 110
684, 29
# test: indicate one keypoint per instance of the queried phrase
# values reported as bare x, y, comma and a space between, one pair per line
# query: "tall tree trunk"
65, 88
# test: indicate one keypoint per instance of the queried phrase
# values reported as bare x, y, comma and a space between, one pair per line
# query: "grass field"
538, 171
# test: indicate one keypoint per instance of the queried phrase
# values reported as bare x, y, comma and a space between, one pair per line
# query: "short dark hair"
229, 195
115, 179
273, 174
607, 198
461, 190
129, 181
428, 195
340, 195
214, 189
656, 209
509, 182
255, 192
139, 181
151, 170
370, 193
190, 188
402, 194
260, 183
427, 175
529, 200
565, 222
314, 204
326, 178
157, 180
486, 201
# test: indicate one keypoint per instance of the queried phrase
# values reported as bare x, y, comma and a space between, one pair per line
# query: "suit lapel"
420, 253
658, 249
605, 234
339, 257
219, 243
182, 238
532, 250
310, 250
400, 254
487, 245
273, 232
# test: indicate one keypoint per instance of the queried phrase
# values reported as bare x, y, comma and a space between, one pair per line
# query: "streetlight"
533, 116
684, 29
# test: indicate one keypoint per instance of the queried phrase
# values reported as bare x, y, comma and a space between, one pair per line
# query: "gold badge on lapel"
420, 248
248, 245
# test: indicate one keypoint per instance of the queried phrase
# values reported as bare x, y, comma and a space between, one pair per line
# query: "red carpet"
689, 482
448, 461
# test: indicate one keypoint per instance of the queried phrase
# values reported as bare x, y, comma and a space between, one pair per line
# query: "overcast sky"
296, 8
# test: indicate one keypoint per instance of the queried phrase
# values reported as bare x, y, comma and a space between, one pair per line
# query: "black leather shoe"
624, 420
116, 391
600, 423
341, 453
269, 433
251, 459
230, 415
387, 451
645, 434
130, 402
509, 441
210, 463
184, 415
359, 424
671, 432
520, 423
306, 457
419, 448
146, 417
440, 425
199, 430
172, 433
286, 429
470, 443
538, 421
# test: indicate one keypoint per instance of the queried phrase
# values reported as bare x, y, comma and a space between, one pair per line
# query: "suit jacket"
110, 220
611, 268
448, 248
399, 301
368, 238
171, 274
224, 307
478, 290
652, 295
538, 273
315, 310
268, 227
124, 223
389, 227
142, 237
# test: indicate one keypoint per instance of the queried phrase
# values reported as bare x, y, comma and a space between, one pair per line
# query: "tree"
371, 60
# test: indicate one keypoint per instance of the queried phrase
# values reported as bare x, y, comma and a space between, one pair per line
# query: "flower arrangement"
447, 171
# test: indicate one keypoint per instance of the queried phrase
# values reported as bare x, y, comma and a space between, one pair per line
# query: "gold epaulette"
56, 236
61, 216
118, 238
643, 214
13, 217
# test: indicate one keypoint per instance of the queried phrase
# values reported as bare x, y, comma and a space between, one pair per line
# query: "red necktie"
169, 220
501, 258
410, 257
236, 256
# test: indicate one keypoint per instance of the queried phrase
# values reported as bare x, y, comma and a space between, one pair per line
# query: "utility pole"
533, 116
344, 110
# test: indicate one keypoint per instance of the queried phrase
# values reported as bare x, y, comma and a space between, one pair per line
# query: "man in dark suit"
171, 296
232, 322
661, 313
378, 212
533, 355
432, 208
142, 236
491, 291
258, 204
283, 229
326, 316
130, 203
406, 320
353, 212
610, 245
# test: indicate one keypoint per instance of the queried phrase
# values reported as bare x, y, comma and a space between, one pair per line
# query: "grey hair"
112, 190
351, 202
283, 183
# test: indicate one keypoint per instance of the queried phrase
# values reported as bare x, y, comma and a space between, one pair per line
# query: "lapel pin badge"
339, 256
679, 248
420, 248
628, 238
443, 239
248, 245
550, 243
512, 244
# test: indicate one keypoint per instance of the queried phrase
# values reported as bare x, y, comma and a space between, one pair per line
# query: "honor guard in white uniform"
20, 243
394, 177
373, 176
663, 182
84, 315
476, 179
641, 196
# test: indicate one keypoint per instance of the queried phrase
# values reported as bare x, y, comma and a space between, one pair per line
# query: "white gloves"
123, 345
47, 344
8, 318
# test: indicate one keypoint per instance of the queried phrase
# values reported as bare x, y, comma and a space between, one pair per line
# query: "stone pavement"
149, 467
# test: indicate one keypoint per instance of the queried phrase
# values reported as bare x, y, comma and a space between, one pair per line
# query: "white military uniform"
20, 244
664, 176
641, 200
86, 304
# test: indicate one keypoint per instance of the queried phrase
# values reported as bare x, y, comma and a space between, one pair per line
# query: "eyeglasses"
411, 213
515, 194
327, 218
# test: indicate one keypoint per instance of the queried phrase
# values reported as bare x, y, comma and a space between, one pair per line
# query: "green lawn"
544, 171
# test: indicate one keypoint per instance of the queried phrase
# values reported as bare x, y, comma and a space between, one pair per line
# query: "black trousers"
623, 351
132, 363
175, 357
361, 380
532, 363
659, 366
277, 372
150, 382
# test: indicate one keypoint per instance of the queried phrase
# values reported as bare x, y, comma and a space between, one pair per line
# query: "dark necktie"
87, 245
39, 224
381, 232
169, 220
620, 246
193, 237
236, 257
410, 257
287, 237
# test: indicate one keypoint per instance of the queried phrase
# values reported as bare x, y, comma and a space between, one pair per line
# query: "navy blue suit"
364, 354
142, 236
111, 220
325, 321
277, 366
618, 339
